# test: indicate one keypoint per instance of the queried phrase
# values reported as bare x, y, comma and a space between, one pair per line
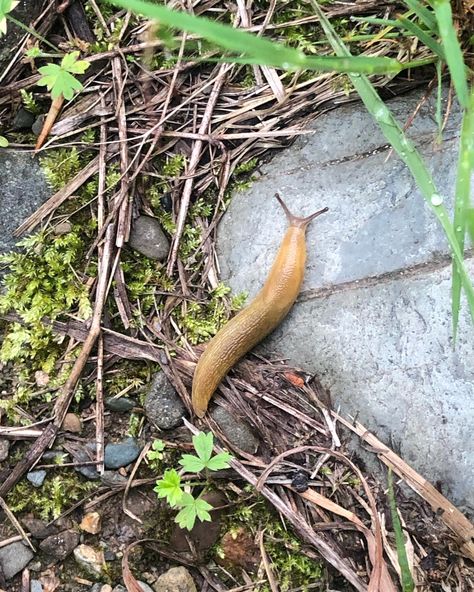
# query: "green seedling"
170, 487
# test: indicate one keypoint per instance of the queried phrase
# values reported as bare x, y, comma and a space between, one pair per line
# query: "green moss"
292, 567
51, 499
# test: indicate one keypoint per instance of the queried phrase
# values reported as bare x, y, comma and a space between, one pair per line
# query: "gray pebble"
36, 478
38, 124
14, 558
163, 406
60, 545
36, 586
122, 404
121, 454
235, 429
23, 119
86, 454
148, 238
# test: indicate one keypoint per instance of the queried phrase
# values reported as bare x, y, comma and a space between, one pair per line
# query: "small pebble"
23, 119
121, 404
36, 586
41, 378
13, 558
112, 479
109, 555
38, 124
91, 523
72, 423
121, 454
91, 560
86, 454
163, 406
60, 545
174, 580
236, 430
36, 478
147, 237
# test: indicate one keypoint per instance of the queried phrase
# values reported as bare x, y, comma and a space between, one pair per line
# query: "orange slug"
252, 324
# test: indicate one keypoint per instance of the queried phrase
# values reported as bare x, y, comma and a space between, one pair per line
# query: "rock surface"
176, 579
148, 238
91, 523
14, 558
36, 478
373, 317
121, 404
59, 546
235, 429
4, 449
24, 189
121, 454
90, 559
163, 406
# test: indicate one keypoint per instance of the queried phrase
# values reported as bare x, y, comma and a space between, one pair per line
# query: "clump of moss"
51, 499
293, 569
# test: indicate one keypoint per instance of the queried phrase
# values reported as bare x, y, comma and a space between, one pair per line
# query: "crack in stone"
437, 263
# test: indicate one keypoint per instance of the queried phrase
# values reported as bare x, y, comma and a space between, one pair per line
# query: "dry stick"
67, 390
193, 162
267, 565
124, 218
99, 407
298, 523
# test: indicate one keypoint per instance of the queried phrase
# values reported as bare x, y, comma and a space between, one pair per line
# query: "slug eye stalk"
296, 220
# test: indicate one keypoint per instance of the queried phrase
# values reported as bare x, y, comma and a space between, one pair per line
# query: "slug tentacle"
296, 220
252, 324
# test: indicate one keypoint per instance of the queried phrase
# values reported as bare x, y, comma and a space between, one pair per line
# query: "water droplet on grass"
436, 199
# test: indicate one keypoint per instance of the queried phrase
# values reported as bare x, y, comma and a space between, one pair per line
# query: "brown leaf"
294, 379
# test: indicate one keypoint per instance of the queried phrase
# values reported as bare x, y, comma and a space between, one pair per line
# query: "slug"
252, 324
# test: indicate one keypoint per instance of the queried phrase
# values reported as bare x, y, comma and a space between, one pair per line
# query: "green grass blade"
439, 101
374, 21
408, 585
423, 36
462, 202
406, 151
425, 15
257, 49
452, 49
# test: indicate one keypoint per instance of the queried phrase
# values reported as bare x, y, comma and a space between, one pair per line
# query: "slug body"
259, 318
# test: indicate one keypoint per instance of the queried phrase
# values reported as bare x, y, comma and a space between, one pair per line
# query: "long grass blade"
462, 203
406, 151
257, 49
423, 36
408, 584
452, 49
425, 15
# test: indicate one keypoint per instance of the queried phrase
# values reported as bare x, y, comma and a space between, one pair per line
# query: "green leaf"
203, 445
3, 142
257, 49
452, 49
219, 461
59, 80
191, 463
6, 6
423, 36
462, 202
191, 509
169, 487
424, 14
407, 581
33, 52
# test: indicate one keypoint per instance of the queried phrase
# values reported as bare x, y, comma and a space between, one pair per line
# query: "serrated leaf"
203, 445
70, 63
191, 509
191, 463
169, 487
219, 461
59, 80
202, 510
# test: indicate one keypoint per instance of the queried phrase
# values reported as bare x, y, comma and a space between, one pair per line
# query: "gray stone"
176, 579
4, 449
148, 238
373, 317
14, 558
145, 587
23, 119
235, 429
119, 588
59, 546
36, 586
24, 189
112, 479
38, 124
86, 454
163, 406
37, 528
121, 404
36, 478
121, 454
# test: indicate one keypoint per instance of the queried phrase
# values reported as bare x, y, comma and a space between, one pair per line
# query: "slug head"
296, 221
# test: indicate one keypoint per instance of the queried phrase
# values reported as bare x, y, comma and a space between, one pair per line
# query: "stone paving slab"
23, 189
373, 319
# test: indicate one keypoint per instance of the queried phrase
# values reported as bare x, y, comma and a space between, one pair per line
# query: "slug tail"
296, 220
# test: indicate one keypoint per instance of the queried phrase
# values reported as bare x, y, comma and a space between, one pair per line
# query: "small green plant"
59, 80
3, 142
6, 6
181, 496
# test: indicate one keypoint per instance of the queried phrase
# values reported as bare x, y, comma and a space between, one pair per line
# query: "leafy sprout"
59, 79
